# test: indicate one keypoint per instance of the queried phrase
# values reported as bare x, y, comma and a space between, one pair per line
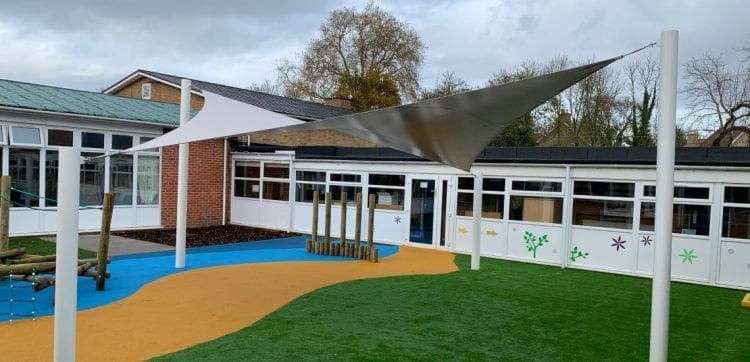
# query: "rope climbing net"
19, 298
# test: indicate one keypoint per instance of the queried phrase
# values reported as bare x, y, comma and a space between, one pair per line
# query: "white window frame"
260, 183
330, 183
631, 199
484, 192
14, 143
298, 181
539, 194
264, 179
389, 187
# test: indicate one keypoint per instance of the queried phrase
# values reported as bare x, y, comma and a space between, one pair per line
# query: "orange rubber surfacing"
189, 308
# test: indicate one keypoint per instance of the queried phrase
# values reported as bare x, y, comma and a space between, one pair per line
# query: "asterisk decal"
397, 219
619, 243
646, 240
463, 230
688, 256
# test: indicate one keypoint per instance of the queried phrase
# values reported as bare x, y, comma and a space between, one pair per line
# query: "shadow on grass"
507, 310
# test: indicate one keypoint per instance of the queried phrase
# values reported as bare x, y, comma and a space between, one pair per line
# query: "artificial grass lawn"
37, 246
507, 310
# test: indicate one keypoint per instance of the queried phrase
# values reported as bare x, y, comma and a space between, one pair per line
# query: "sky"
92, 44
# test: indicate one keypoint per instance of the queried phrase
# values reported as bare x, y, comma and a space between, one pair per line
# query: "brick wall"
204, 184
310, 138
159, 92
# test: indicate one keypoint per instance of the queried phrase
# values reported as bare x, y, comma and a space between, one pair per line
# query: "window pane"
681, 192
92, 140
609, 189
305, 192
464, 204
92, 180
26, 135
246, 169
739, 195
492, 205
121, 178
247, 188
276, 190
345, 177
736, 223
276, 170
51, 172
24, 175
121, 142
59, 137
493, 184
465, 183
603, 213
311, 176
148, 180
686, 219
543, 186
387, 180
649, 190
351, 194
388, 199
536, 209
146, 139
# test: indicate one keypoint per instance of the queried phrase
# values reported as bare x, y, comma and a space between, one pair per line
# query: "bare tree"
266, 87
641, 79
353, 43
448, 84
719, 97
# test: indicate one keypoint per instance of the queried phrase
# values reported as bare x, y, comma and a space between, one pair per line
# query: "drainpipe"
224, 188
182, 180
567, 218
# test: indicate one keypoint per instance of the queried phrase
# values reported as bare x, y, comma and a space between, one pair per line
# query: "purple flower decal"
397, 220
646, 240
618, 243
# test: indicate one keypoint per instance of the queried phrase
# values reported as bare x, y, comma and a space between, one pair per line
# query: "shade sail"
220, 117
453, 130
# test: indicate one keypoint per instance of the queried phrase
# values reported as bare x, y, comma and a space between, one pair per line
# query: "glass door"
422, 214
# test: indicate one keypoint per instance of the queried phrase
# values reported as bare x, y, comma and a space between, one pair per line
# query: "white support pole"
476, 221
66, 263
664, 196
182, 180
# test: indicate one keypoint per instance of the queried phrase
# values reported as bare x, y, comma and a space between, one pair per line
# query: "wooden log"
7, 254
46, 267
374, 255
342, 233
358, 220
316, 204
93, 274
103, 253
33, 259
40, 283
370, 219
308, 245
327, 235
4, 212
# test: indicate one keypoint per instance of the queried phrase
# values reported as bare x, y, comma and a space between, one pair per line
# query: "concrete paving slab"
117, 244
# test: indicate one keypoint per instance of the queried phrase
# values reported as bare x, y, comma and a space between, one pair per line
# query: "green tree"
372, 91
642, 77
520, 133
350, 46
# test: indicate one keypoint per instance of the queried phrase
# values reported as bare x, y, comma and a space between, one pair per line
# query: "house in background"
208, 191
734, 138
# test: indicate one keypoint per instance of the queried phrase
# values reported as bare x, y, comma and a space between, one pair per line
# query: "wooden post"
327, 235
4, 212
316, 203
370, 219
342, 234
103, 253
358, 221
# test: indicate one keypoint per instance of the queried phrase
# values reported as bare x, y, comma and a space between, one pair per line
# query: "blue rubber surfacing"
131, 272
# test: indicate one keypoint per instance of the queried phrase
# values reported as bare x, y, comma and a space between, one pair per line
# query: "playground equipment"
344, 248
21, 270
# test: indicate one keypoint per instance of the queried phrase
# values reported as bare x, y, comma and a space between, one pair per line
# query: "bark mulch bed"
206, 236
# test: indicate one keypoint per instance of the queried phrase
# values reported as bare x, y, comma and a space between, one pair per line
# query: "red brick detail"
205, 178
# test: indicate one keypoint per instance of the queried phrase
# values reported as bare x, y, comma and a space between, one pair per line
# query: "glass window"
542, 186
92, 140
274, 170
607, 189
686, 219
387, 180
273, 190
247, 169
492, 205
146, 139
351, 193
736, 223
345, 177
388, 198
603, 213
24, 176
51, 172
247, 188
121, 178
25, 136
314, 176
737, 195
493, 184
680, 192
92, 180
148, 180
121, 142
536, 209
465, 183
59, 137
305, 191
2, 134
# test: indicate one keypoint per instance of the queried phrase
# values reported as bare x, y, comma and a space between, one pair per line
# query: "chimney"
693, 139
338, 102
